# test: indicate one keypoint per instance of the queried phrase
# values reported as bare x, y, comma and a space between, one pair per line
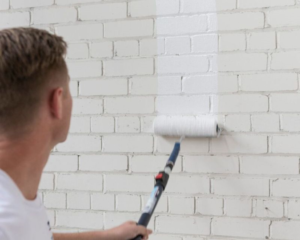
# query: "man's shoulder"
11, 221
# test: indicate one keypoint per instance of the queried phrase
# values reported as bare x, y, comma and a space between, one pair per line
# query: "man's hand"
128, 231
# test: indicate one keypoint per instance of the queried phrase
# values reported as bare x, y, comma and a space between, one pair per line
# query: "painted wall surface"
132, 60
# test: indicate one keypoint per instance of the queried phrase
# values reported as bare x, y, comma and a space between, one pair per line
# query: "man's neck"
23, 159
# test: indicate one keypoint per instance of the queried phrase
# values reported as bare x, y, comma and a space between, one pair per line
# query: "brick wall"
131, 60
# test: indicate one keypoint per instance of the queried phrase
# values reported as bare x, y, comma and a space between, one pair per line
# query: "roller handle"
174, 153
138, 238
145, 218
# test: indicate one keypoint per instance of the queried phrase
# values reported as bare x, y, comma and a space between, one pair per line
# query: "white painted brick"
269, 209
209, 206
85, 69
240, 21
290, 122
103, 124
264, 3
78, 51
101, 50
242, 103
47, 182
178, 45
265, 123
79, 219
286, 188
155, 85
240, 143
127, 48
128, 203
55, 200
137, 105
283, 102
188, 185
210, 84
294, 209
126, 29
197, 238
106, 87
181, 205
237, 123
87, 106
114, 219
128, 183
103, 11
287, 230
54, 15
103, 163
232, 42
75, 144
152, 8
162, 205
189, 145
151, 164
195, 6
127, 67
237, 207
80, 31
75, 181
152, 47
44, 27
69, 2
284, 17
210, 164
269, 82
239, 227
14, 19
80, 125
128, 125
168, 237
180, 225
285, 60
104, 202
289, 40
4, 5
241, 186
78, 200
134, 144
228, 62
269, 165
285, 144
205, 43
181, 25
262, 41
147, 124
73, 88
62, 163
30, 3
182, 104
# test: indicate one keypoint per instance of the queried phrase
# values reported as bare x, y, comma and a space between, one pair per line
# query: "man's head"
34, 84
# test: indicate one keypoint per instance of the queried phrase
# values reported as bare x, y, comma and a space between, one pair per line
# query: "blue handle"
175, 153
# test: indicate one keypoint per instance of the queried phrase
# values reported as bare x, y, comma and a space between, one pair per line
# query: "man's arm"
126, 231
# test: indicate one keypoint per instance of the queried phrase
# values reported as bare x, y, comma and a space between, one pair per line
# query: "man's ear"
56, 103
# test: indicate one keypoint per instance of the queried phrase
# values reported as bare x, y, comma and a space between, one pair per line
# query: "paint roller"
179, 126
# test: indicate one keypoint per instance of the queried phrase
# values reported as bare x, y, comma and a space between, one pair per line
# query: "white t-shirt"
21, 219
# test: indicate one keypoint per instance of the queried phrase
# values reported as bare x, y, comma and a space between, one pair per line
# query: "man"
35, 111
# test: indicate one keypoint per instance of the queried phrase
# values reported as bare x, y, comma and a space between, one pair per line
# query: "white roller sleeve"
200, 126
